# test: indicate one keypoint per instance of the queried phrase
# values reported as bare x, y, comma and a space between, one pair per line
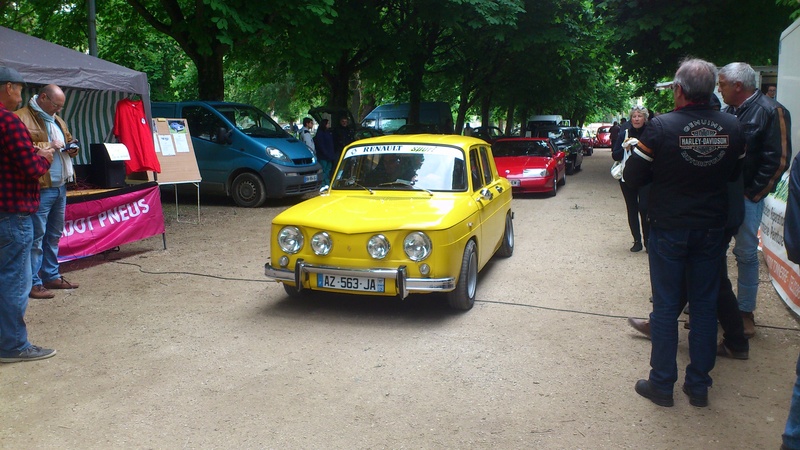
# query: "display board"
175, 152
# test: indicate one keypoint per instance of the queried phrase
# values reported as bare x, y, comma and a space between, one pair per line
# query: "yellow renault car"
404, 214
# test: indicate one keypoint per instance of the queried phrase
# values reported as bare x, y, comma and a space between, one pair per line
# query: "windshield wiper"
406, 184
352, 182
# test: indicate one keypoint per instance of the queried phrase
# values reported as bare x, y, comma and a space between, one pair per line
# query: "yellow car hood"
363, 213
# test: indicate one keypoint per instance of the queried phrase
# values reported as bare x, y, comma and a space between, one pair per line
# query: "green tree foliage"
653, 36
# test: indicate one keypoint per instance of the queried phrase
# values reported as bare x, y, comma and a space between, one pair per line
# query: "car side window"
203, 124
486, 166
475, 169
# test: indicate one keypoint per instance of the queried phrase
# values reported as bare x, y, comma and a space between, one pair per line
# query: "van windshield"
252, 122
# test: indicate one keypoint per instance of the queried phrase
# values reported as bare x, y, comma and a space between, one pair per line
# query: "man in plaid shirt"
21, 165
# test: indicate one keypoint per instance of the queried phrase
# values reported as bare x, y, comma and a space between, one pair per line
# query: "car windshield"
252, 122
521, 148
603, 130
402, 166
548, 133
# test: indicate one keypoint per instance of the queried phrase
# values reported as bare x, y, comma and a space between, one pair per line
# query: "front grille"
303, 161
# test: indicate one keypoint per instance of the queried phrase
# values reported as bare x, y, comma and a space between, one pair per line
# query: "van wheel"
248, 190
463, 296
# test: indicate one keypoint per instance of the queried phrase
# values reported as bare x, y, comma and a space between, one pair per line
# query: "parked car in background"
566, 139
488, 134
587, 142
603, 138
390, 117
243, 152
432, 211
423, 128
530, 164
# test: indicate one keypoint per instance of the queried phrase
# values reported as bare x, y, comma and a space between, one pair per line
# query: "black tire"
507, 246
463, 296
563, 181
554, 191
570, 168
292, 291
248, 190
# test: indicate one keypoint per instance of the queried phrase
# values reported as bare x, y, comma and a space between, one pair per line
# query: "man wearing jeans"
690, 154
767, 127
46, 129
21, 165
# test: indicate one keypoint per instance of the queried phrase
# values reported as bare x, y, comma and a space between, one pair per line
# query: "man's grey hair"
697, 78
741, 72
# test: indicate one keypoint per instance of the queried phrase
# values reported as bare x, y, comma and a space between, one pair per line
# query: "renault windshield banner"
99, 224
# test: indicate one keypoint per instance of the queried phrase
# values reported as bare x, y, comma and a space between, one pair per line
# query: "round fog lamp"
283, 261
378, 246
425, 269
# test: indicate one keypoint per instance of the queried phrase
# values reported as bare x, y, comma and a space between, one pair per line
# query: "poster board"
175, 152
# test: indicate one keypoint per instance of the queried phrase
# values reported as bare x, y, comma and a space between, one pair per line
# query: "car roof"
430, 139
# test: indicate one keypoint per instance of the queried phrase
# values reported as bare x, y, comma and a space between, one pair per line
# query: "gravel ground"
190, 347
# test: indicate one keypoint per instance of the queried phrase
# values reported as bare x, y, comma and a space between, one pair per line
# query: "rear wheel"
507, 247
570, 167
248, 190
463, 296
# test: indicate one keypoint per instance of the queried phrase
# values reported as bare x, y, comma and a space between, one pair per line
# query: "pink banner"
99, 224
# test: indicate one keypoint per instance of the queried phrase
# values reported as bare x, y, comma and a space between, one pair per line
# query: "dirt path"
192, 348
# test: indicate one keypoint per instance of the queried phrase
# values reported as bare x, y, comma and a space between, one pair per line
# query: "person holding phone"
47, 129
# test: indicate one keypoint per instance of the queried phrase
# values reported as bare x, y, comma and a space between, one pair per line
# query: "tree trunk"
509, 120
210, 75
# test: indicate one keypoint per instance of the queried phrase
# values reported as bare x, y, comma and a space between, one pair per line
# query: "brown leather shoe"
40, 292
749, 322
60, 283
640, 325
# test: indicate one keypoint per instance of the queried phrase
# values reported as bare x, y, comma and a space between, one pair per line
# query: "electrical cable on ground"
523, 305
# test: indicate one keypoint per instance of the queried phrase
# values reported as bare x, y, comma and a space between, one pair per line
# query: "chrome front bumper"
405, 285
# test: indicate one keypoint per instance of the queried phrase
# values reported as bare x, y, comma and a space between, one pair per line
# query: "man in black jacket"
767, 127
690, 154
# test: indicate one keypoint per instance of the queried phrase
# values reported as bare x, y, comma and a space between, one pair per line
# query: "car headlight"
278, 154
290, 239
378, 246
535, 173
321, 243
417, 246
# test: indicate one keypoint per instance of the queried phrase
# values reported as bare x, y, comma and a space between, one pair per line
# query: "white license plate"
514, 182
309, 178
363, 284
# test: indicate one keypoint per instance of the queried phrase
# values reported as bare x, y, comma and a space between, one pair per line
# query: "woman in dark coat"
635, 199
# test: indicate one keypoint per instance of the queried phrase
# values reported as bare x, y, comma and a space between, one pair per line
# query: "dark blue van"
242, 152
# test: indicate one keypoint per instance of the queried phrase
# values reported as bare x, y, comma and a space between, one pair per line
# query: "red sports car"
603, 138
530, 164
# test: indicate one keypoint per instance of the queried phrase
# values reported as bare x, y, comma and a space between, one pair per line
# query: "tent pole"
92, 29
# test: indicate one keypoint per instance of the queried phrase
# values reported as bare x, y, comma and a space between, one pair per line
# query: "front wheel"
463, 296
248, 190
293, 292
570, 168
